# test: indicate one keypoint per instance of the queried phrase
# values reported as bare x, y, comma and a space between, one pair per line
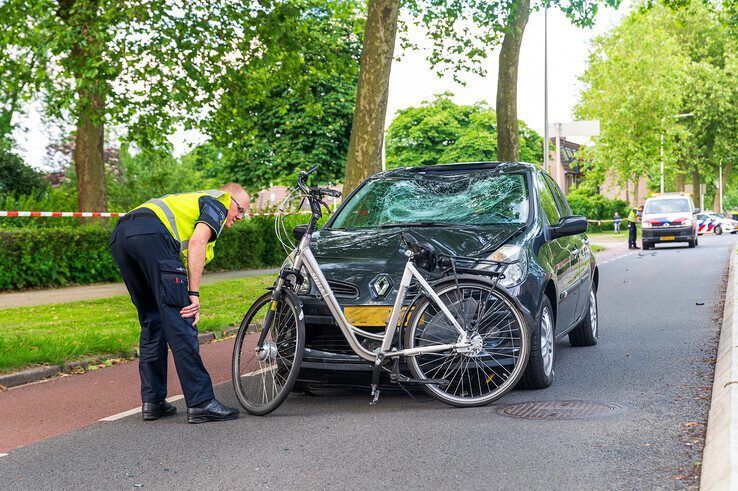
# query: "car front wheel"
587, 332
718, 230
539, 373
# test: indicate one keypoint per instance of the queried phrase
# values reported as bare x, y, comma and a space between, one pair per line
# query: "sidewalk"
105, 290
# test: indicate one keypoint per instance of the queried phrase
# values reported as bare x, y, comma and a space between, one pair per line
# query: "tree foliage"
441, 131
288, 105
149, 173
664, 71
18, 178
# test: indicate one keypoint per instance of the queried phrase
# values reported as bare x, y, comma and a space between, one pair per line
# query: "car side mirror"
572, 225
299, 231
696, 210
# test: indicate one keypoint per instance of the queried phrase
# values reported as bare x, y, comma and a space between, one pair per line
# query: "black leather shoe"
215, 411
156, 410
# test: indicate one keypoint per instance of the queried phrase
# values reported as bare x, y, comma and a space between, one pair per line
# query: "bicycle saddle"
425, 254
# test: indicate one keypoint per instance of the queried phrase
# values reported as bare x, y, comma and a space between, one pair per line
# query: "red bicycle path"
40, 410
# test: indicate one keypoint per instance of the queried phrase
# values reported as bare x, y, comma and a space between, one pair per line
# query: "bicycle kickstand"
375, 381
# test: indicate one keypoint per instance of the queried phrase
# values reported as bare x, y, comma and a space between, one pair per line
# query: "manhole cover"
557, 410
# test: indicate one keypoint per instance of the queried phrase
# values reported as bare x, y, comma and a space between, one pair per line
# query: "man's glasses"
241, 209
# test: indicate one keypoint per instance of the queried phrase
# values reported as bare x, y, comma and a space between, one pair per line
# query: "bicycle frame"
305, 258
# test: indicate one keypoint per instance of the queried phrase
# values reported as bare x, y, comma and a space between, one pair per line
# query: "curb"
720, 455
36, 374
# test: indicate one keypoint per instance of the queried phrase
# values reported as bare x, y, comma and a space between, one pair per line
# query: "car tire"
693, 243
718, 230
646, 246
539, 373
587, 331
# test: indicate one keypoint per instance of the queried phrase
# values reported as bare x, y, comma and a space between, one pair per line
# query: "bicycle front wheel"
263, 376
498, 335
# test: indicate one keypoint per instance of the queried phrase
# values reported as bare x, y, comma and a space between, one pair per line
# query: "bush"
61, 256
596, 207
17, 177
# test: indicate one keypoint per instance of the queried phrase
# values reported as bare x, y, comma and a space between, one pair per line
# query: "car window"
667, 206
548, 202
472, 198
563, 205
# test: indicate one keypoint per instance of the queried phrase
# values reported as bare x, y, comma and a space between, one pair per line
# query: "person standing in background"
632, 228
616, 223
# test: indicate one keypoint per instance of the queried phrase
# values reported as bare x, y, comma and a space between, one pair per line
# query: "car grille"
342, 289
333, 343
328, 337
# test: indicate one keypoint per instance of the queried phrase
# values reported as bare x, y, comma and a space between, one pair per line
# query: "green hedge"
48, 257
597, 207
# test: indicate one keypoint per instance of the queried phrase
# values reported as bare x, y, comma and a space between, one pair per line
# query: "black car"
511, 212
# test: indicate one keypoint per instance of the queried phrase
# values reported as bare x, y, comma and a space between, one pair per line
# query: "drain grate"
557, 410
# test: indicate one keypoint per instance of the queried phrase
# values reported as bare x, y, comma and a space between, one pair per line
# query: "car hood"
358, 256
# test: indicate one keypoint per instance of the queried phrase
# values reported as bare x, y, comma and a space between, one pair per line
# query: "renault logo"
381, 285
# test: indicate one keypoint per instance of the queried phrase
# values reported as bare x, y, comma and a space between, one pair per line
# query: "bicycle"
463, 339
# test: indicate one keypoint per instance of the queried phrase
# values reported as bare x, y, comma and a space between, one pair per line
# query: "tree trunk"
88, 153
508, 138
681, 179
696, 188
716, 199
367, 130
82, 17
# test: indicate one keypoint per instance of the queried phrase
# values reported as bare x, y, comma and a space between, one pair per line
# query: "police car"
713, 223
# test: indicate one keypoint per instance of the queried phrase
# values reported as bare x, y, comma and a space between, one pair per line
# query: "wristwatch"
193, 294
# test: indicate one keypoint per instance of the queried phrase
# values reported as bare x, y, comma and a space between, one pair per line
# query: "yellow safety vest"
179, 214
632, 217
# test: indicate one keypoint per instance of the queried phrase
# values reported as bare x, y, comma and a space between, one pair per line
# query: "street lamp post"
661, 149
545, 90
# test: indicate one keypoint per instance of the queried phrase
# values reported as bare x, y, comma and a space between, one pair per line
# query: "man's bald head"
241, 197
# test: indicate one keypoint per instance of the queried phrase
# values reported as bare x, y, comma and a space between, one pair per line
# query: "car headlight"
303, 289
687, 223
646, 225
517, 268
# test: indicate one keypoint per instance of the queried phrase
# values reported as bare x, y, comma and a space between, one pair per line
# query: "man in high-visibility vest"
161, 248
632, 228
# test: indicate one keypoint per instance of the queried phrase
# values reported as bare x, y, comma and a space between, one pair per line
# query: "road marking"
133, 411
616, 258
3, 454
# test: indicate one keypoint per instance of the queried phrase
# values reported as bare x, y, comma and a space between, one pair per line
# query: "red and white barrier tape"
60, 214
93, 214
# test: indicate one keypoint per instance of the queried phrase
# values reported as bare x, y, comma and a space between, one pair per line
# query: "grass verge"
59, 333
597, 248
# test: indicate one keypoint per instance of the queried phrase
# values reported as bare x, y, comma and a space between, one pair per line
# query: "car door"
557, 254
581, 253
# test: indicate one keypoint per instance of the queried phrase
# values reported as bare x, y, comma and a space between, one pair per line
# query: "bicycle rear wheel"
264, 376
496, 329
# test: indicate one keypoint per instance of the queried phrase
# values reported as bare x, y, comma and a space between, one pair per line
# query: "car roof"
460, 166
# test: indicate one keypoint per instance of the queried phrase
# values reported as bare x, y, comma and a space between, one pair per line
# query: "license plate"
667, 237
369, 316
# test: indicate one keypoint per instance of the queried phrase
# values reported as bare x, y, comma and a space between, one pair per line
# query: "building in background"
566, 169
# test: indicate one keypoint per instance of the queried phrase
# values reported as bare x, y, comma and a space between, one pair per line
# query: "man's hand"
193, 309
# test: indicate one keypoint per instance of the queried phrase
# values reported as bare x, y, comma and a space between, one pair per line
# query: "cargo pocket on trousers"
173, 283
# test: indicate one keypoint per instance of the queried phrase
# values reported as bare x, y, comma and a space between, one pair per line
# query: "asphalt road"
654, 361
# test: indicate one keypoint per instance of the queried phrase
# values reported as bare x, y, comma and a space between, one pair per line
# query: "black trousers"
632, 234
148, 258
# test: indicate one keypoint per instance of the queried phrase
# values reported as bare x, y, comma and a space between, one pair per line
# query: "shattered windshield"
477, 198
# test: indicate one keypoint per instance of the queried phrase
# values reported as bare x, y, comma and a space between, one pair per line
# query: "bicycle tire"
246, 384
421, 366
